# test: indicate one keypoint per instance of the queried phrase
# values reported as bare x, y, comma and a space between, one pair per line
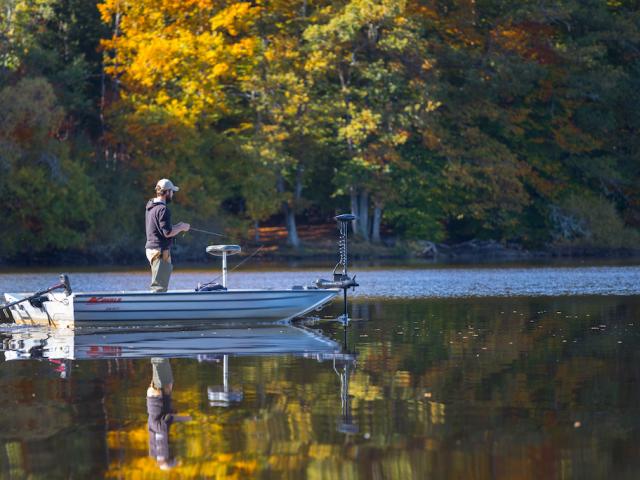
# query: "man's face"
170, 196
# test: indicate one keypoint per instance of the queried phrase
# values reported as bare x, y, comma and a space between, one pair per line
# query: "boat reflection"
62, 348
20, 343
223, 396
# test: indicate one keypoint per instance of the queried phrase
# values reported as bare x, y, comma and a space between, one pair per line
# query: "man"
160, 233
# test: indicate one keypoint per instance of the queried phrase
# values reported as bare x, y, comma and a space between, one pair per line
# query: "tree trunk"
292, 231
354, 208
364, 215
116, 33
375, 228
289, 217
256, 228
298, 188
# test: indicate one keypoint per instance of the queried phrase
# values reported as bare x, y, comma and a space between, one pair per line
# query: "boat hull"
130, 308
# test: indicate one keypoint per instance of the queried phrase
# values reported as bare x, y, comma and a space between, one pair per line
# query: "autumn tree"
49, 202
284, 136
371, 59
178, 66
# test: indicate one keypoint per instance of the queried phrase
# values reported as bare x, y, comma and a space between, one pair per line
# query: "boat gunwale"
193, 292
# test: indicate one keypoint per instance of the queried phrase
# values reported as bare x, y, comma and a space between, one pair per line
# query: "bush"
591, 221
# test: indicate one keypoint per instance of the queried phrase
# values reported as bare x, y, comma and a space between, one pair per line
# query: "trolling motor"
37, 298
341, 279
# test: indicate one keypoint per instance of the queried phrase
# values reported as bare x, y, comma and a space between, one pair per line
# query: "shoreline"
411, 254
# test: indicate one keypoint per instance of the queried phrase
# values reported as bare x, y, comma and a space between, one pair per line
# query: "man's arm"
169, 230
177, 228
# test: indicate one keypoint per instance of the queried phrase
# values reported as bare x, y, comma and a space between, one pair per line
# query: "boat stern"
51, 309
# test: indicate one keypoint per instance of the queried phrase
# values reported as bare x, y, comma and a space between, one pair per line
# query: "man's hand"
182, 418
178, 228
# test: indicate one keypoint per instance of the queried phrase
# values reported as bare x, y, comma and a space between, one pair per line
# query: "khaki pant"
162, 376
161, 269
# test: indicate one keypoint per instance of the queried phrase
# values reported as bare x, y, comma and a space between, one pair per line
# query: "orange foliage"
529, 39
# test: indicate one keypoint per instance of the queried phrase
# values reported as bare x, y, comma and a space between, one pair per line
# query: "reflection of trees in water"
500, 378
426, 400
39, 412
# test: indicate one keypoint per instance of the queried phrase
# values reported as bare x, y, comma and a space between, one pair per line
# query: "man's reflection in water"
161, 413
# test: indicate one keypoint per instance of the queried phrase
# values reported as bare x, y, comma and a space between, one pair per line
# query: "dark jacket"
160, 419
158, 225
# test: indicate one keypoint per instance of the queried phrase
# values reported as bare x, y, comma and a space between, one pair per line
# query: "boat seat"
346, 217
219, 250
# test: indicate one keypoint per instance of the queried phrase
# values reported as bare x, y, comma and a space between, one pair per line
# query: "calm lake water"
469, 373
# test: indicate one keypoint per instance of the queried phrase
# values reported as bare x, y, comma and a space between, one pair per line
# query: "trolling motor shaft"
341, 279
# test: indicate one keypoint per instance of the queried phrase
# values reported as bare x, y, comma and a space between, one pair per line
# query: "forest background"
515, 121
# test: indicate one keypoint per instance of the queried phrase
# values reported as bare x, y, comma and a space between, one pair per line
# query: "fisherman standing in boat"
160, 233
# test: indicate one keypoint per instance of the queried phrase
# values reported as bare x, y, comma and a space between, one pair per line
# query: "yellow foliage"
402, 378
323, 451
437, 412
136, 438
179, 54
362, 389
362, 124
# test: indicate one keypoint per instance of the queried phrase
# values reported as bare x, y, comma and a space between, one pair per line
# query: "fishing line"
238, 265
248, 258
207, 232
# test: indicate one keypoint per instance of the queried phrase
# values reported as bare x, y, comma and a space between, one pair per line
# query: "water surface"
389, 282
473, 387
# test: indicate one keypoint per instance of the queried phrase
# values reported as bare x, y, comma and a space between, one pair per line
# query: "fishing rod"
206, 231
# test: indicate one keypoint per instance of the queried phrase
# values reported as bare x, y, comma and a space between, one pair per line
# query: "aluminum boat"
207, 303
131, 308
210, 302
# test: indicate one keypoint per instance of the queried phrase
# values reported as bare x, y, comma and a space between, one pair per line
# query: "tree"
283, 137
375, 88
49, 201
181, 58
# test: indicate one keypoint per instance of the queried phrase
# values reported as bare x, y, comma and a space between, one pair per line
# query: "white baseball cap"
166, 184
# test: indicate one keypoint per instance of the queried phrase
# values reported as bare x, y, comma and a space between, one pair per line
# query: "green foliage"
588, 220
417, 208
50, 202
